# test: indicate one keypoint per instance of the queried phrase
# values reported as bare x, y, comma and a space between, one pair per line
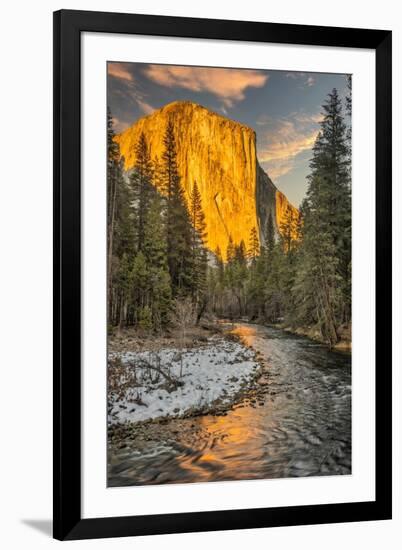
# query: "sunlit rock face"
220, 155
281, 206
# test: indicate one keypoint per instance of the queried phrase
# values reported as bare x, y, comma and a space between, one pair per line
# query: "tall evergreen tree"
347, 261
329, 190
236, 277
178, 223
120, 241
230, 251
240, 254
155, 251
197, 217
321, 287
113, 179
270, 233
253, 245
169, 170
289, 229
219, 264
141, 184
199, 252
273, 293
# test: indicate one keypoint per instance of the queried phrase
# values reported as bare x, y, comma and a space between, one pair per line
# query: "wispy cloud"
229, 85
307, 118
119, 125
282, 140
128, 87
287, 142
278, 168
306, 80
145, 107
119, 71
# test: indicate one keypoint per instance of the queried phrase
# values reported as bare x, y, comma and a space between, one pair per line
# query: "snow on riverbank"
149, 385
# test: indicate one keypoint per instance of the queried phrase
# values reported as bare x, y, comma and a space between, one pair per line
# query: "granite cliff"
220, 155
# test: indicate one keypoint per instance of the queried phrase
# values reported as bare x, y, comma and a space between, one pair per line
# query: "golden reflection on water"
233, 443
234, 438
232, 428
246, 333
287, 431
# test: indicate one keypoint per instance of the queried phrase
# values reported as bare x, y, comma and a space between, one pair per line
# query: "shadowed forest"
161, 274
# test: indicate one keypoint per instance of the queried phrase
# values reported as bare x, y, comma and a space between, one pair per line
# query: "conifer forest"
229, 309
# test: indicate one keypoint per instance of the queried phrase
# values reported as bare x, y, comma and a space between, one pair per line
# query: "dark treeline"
300, 275
156, 252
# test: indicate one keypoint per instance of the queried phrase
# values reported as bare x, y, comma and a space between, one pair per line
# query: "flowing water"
299, 426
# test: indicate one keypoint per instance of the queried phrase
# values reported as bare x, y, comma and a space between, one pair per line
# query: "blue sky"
283, 107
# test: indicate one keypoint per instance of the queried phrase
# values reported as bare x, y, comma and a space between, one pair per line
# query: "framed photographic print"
222, 274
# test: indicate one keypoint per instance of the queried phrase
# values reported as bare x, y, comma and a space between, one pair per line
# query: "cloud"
282, 140
127, 87
119, 71
278, 169
229, 85
306, 80
132, 94
145, 107
305, 118
287, 143
119, 125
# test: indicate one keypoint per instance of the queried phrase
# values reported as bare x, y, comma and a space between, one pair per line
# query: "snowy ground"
147, 385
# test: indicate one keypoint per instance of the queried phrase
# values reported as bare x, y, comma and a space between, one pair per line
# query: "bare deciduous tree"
182, 317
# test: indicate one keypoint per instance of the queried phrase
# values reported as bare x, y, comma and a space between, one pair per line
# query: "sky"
283, 107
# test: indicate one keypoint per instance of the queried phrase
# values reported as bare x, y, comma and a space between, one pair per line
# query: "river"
299, 426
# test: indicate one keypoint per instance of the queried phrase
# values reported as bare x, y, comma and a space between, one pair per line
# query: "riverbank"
345, 335
293, 420
150, 381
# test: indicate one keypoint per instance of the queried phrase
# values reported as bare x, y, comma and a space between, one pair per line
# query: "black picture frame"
68, 26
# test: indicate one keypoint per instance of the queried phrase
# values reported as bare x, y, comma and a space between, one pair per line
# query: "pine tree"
240, 254
197, 217
155, 252
329, 178
347, 261
199, 252
236, 277
329, 191
145, 319
230, 251
178, 224
254, 245
140, 284
113, 179
162, 298
270, 233
289, 229
121, 238
123, 286
157, 175
321, 288
273, 292
141, 184
348, 99
257, 276
219, 264
169, 171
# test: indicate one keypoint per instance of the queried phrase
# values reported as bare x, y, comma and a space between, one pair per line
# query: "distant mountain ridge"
220, 155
